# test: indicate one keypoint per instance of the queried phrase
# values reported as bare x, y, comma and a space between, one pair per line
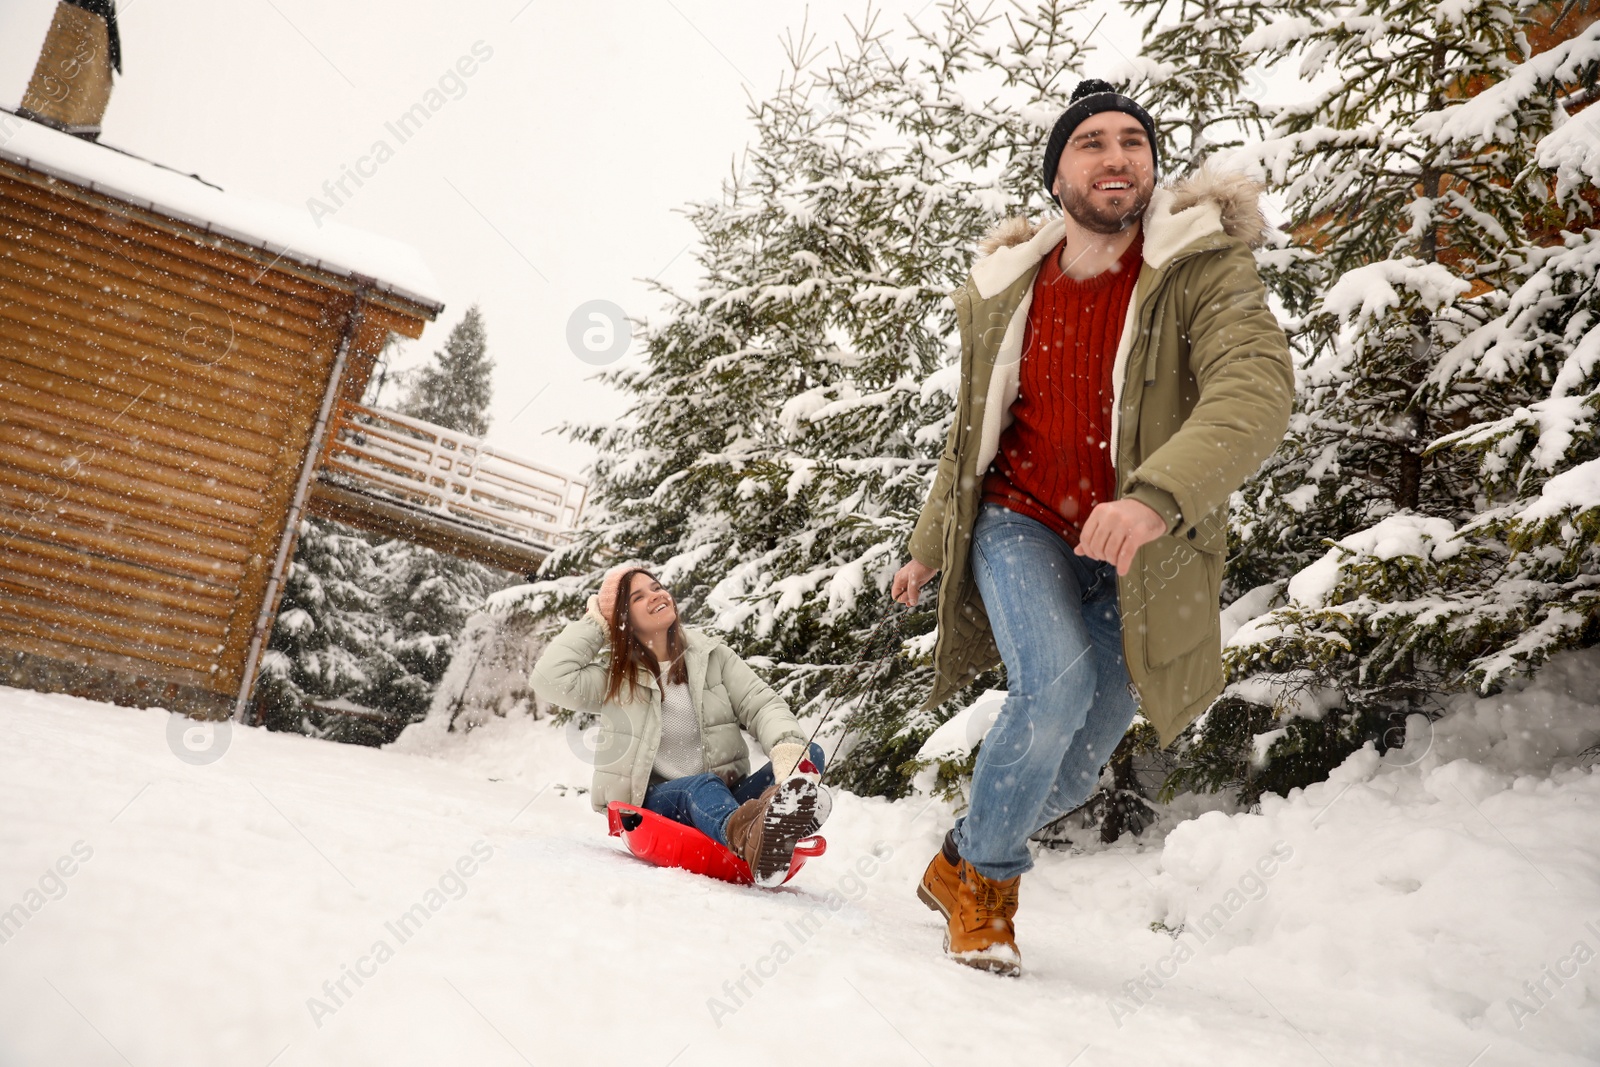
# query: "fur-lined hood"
1200, 205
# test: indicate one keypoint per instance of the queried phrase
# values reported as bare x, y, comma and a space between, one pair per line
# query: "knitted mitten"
786, 756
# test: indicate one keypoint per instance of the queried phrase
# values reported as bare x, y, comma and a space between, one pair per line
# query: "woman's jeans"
1068, 701
704, 801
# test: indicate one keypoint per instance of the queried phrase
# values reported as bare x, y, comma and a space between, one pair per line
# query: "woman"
671, 702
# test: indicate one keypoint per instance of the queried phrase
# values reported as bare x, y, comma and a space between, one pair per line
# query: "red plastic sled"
659, 840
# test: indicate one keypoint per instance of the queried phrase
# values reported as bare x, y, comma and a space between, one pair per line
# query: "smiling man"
1121, 376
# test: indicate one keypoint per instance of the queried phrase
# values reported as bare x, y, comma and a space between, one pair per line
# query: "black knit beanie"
1091, 97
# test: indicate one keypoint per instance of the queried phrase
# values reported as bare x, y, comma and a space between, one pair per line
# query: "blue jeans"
1068, 702
705, 801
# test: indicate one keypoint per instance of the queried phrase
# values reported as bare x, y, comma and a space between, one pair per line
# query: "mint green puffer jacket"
727, 695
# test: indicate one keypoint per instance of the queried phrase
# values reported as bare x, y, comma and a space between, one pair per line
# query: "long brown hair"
628, 653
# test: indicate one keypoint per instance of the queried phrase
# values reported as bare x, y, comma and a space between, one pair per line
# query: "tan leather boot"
764, 831
978, 911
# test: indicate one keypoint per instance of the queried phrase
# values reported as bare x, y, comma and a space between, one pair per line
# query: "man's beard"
1106, 220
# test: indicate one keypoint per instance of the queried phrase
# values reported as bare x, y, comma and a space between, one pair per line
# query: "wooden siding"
157, 394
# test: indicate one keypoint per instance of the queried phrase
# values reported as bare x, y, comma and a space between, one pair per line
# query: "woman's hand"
786, 756
909, 580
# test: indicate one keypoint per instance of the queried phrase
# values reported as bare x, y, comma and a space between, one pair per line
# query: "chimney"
72, 82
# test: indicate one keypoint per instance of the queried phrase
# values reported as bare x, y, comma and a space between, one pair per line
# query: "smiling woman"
672, 701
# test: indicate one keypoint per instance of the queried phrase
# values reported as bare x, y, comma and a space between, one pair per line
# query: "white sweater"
681, 753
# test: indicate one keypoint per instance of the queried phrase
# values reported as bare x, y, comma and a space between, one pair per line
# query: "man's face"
1107, 173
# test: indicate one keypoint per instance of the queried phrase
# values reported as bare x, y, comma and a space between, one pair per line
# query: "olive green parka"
1203, 385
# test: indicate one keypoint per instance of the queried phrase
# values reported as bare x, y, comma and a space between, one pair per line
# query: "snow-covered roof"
274, 228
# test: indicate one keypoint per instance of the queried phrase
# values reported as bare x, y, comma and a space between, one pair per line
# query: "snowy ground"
1406, 912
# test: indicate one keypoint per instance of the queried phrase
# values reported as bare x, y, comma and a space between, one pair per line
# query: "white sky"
552, 181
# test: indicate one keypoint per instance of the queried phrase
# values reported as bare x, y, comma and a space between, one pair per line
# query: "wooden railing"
452, 476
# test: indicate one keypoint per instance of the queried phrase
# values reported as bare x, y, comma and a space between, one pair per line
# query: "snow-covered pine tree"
327, 628
1414, 182
425, 597
425, 600
1539, 461
455, 389
1194, 78
789, 414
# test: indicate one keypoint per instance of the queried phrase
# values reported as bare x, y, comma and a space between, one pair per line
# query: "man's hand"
1116, 530
908, 580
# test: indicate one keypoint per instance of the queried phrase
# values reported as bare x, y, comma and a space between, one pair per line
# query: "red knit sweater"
1055, 462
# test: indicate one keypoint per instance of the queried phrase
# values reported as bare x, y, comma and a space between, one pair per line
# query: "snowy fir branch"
1447, 387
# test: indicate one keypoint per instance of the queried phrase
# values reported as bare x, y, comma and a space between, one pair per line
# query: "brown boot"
978, 912
764, 831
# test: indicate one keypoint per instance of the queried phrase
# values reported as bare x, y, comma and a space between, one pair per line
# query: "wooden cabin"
181, 372
165, 380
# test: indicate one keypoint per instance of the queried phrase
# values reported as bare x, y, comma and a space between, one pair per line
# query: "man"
1121, 377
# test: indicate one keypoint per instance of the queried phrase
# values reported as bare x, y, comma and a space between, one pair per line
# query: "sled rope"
889, 639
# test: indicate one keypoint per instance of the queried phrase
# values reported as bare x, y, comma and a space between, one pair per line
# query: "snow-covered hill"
455, 901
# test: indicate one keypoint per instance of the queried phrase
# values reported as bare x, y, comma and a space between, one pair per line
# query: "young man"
1121, 377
